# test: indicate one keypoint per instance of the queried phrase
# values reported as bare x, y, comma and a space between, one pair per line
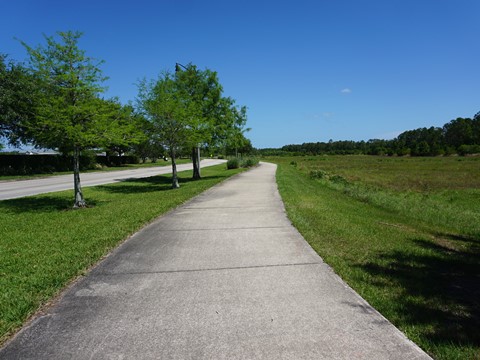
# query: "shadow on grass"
51, 203
145, 185
473, 240
44, 203
441, 289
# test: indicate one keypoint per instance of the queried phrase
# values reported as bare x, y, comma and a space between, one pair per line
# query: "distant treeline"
460, 136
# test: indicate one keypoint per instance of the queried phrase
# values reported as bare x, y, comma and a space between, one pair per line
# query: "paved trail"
16, 189
224, 276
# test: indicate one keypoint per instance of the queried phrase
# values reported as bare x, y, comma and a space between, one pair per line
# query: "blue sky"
307, 70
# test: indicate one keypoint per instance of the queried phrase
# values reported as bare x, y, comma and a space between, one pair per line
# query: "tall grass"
442, 210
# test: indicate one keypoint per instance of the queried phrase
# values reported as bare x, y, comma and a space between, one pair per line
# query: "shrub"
249, 162
468, 149
338, 179
318, 174
233, 163
236, 163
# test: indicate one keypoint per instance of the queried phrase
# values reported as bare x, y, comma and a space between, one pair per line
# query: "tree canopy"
186, 109
56, 101
170, 115
69, 113
18, 100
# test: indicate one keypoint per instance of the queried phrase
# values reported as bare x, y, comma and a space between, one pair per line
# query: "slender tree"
200, 89
229, 125
70, 115
169, 113
187, 110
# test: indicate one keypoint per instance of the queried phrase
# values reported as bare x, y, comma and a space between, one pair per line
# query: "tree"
187, 110
169, 113
151, 146
459, 132
18, 97
237, 132
70, 115
199, 89
124, 116
229, 125
476, 128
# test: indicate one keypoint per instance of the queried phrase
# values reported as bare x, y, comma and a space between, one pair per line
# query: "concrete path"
224, 276
21, 188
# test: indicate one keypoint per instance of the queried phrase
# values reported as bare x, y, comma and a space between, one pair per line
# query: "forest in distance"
459, 136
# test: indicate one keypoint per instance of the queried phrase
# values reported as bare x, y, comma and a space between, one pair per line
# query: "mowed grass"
411, 248
44, 244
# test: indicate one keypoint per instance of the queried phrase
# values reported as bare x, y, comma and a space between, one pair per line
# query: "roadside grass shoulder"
397, 249
44, 244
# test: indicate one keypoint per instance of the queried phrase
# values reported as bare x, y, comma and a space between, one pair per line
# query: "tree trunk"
196, 163
79, 200
175, 184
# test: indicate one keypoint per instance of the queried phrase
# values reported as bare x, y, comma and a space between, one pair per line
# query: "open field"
403, 232
44, 244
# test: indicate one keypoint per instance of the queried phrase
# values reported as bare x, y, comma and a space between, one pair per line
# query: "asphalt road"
225, 276
21, 188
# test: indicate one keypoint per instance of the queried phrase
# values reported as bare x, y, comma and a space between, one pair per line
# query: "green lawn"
404, 233
44, 244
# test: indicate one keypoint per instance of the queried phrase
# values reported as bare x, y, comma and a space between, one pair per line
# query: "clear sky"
307, 70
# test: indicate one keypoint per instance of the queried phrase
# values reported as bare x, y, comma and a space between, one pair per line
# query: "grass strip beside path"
44, 244
422, 277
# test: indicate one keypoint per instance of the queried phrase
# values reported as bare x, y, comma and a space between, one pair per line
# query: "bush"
233, 164
249, 162
236, 163
322, 174
468, 150
318, 174
338, 179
